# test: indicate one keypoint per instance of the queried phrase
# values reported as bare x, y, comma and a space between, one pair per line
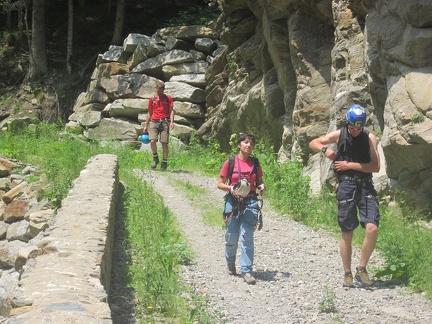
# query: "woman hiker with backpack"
241, 176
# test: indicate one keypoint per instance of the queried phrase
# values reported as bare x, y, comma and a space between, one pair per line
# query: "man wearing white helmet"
241, 180
354, 161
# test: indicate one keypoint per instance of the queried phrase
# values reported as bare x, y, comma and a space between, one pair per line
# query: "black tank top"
353, 149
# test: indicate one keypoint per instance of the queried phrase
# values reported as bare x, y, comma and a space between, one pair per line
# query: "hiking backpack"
231, 167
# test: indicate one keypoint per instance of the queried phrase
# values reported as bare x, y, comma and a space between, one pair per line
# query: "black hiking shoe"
155, 162
164, 165
232, 269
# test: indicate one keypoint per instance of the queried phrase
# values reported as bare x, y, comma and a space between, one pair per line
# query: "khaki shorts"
157, 127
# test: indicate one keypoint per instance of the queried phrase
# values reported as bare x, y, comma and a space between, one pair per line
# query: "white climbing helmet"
241, 188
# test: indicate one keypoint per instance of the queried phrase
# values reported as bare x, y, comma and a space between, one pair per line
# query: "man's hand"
341, 165
329, 153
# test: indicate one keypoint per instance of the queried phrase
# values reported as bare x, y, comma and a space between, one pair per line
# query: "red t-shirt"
159, 107
246, 171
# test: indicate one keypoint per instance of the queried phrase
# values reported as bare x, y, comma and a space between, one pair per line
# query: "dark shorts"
352, 195
159, 127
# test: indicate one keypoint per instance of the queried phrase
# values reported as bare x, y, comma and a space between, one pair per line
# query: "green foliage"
232, 65
405, 246
156, 249
393, 271
61, 160
328, 304
198, 157
287, 186
6, 100
199, 198
418, 118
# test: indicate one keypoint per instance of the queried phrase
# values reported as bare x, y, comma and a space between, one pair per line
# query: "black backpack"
231, 166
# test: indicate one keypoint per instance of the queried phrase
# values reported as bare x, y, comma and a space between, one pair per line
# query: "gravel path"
295, 268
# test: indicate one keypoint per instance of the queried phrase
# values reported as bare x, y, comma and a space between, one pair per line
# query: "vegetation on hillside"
153, 271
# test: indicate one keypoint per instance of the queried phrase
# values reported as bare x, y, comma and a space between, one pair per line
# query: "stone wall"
124, 80
64, 275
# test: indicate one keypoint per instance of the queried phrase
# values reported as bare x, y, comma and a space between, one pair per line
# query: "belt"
355, 178
160, 120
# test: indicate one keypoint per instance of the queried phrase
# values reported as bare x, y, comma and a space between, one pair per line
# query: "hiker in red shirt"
159, 120
241, 177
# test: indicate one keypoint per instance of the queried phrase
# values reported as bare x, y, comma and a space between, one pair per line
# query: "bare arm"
221, 184
148, 117
172, 112
317, 144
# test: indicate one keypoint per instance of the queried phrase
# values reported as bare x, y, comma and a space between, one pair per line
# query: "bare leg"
368, 243
165, 151
153, 146
346, 250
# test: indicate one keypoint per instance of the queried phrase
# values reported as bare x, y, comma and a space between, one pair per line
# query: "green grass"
199, 197
153, 241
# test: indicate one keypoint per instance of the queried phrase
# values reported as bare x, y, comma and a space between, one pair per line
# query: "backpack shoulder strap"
342, 140
255, 168
231, 162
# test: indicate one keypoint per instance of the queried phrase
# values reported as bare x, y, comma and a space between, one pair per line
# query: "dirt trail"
295, 267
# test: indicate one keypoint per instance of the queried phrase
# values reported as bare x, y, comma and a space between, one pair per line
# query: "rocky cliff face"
285, 70
293, 67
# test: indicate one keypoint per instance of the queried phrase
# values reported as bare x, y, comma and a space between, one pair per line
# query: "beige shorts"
157, 127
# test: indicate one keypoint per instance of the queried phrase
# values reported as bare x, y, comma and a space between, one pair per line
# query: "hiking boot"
362, 277
250, 280
164, 165
232, 269
348, 280
155, 162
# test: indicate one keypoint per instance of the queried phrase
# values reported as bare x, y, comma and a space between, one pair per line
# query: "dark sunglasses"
355, 128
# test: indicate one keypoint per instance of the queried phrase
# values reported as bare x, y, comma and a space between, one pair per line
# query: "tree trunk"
118, 28
21, 5
69, 37
38, 57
